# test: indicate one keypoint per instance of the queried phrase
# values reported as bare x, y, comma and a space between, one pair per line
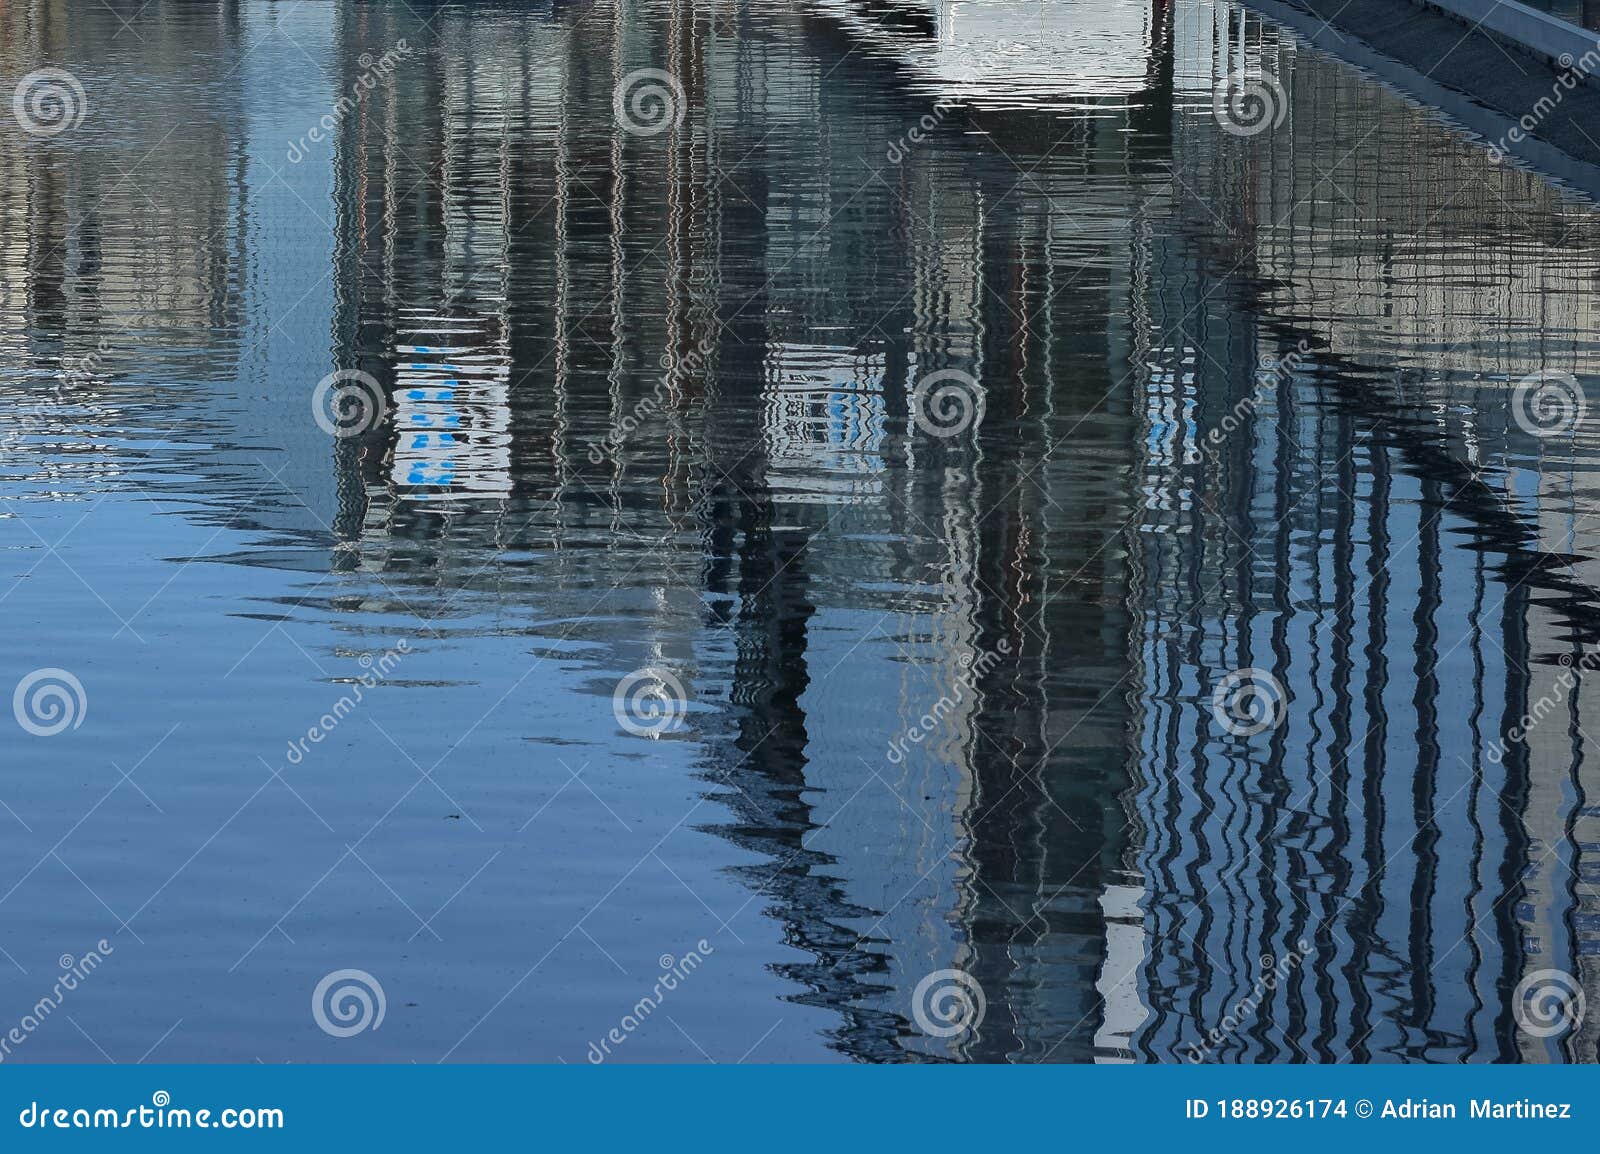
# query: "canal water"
767, 531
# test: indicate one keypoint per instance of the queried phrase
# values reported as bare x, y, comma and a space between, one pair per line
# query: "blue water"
644, 401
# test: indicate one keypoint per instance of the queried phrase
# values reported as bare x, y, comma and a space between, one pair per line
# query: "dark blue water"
638, 644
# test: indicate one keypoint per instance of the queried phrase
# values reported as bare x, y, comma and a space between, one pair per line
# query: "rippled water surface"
641, 395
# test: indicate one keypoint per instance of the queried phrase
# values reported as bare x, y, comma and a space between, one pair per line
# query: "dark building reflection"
1078, 835
1372, 541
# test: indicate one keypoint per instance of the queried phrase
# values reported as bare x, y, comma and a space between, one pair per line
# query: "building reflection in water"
78, 276
1062, 589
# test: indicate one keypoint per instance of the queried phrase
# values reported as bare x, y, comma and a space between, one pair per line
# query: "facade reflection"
758, 290
1076, 834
